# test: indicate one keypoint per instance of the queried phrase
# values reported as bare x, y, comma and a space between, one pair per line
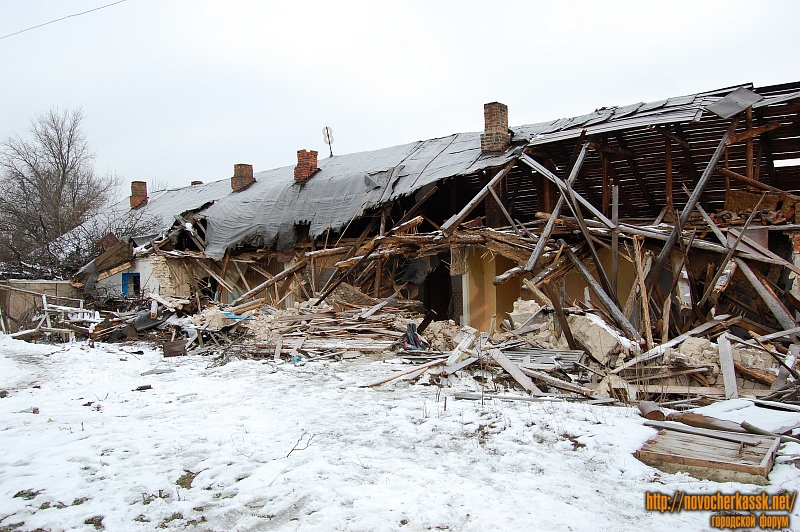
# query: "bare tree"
48, 187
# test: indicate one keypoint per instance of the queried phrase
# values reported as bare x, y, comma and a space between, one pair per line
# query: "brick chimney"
138, 193
495, 137
242, 177
197, 183
306, 165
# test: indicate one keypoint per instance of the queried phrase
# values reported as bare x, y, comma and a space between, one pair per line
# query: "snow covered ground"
254, 446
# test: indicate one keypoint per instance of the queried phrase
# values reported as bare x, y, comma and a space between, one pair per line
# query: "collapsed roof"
629, 144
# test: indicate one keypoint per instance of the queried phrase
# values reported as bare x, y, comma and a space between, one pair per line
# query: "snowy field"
254, 446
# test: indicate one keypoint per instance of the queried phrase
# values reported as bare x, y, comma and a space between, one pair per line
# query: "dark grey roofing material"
345, 187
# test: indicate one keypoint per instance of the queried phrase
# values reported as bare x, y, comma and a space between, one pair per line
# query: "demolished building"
636, 253
477, 205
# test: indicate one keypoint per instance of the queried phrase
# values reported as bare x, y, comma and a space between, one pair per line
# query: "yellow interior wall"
486, 299
626, 278
481, 296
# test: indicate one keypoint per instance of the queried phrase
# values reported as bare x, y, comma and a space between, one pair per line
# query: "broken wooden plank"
717, 434
543, 397
558, 383
660, 349
726, 367
452, 368
403, 373
757, 375
514, 371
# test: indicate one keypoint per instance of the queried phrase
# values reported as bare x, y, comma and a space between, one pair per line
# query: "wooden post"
648, 330
668, 159
615, 240
749, 142
606, 185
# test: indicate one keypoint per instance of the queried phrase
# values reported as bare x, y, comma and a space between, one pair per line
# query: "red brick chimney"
138, 193
306, 165
242, 177
495, 137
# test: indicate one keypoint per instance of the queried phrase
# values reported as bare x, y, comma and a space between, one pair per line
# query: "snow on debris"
255, 446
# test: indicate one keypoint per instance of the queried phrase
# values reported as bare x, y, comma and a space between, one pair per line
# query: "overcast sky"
180, 90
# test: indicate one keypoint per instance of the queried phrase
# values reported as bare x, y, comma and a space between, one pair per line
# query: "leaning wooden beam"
689, 207
515, 371
660, 349
761, 249
269, 282
746, 180
455, 220
770, 299
710, 285
551, 222
713, 226
698, 244
555, 299
327, 252
215, 275
504, 211
565, 187
601, 272
613, 310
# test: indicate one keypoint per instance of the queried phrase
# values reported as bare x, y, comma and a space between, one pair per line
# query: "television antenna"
327, 136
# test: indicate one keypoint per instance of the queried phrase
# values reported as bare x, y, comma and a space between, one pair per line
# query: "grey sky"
181, 90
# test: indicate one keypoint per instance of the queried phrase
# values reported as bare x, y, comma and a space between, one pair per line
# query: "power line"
62, 18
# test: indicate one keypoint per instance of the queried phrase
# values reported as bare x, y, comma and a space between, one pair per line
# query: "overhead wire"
62, 18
